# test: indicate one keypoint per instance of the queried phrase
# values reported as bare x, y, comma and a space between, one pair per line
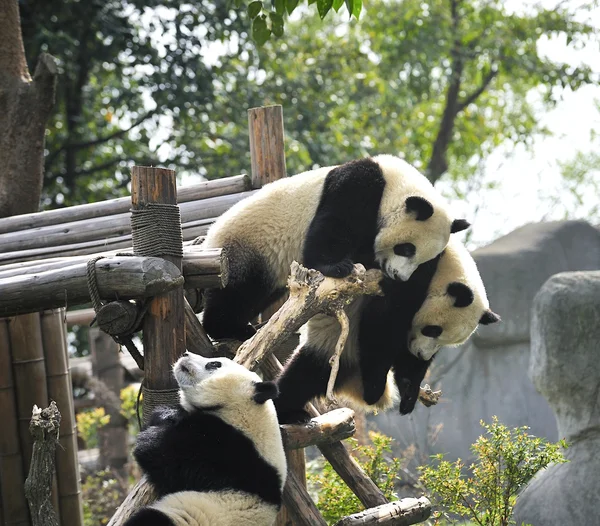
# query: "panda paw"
408, 403
338, 270
298, 416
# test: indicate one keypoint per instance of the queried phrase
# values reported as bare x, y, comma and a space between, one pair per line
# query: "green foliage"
129, 407
335, 499
88, 424
102, 494
505, 460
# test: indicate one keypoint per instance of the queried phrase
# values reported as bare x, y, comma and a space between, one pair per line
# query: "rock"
565, 368
488, 375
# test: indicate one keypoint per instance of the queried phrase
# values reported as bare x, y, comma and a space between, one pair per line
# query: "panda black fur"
374, 211
217, 459
392, 339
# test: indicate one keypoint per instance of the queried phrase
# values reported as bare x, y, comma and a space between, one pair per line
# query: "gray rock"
565, 368
488, 375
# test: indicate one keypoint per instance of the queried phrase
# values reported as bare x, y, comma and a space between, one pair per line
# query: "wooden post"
267, 144
106, 366
164, 325
12, 475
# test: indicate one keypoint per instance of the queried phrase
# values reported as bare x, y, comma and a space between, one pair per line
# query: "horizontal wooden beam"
205, 190
118, 277
399, 513
329, 427
194, 213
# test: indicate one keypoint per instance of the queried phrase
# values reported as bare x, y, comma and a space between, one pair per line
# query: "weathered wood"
398, 513
267, 154
80, 317
164, 325
310, 293
29, 371
14, 505
54, 338
121, 205
298, 503
330, 427
122, 277
107, 226
296, 463
201, 267
44, 428
141, 495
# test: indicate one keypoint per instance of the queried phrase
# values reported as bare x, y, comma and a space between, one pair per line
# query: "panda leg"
303, 378
374, 368
409, 372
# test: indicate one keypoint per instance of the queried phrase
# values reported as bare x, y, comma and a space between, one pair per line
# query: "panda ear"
458, 225
264, 391
463, 295
489, 317
422, 208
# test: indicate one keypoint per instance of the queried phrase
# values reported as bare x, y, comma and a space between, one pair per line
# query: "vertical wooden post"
107, 368
60, 389
12, 477
164, 326
267, 144
267, 153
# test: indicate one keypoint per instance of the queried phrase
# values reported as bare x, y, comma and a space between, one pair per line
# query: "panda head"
455, 305
220, 385
414, 221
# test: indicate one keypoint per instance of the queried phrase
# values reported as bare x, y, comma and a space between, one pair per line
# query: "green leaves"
260, 31
254, 8
291, 5
324, 6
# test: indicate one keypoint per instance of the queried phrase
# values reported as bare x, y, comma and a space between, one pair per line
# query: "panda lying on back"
375, 211
440, 305
217, 459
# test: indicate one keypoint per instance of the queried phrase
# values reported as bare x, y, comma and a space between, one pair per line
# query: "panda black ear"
458, 225
264, 391
489, 317
463, 295
422, 208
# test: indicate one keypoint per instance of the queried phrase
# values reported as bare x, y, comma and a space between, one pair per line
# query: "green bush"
335, 499
102, 494
505, 460
88, 424
129, 407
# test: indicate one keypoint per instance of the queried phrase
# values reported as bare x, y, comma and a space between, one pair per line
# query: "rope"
92, 283
154, 399
156, 230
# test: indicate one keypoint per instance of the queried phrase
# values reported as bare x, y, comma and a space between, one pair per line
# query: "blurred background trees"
443, 82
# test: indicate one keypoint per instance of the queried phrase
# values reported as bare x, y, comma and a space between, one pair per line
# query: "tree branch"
477, 93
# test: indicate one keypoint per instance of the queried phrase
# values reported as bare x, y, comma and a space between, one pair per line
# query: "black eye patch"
406, 250
422, 208
463, 295
211, 366
432, 331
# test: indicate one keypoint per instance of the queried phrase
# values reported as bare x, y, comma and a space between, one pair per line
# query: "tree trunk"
25, 105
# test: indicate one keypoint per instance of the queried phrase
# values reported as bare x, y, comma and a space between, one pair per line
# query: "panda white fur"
393, 336
218, 458
375, 211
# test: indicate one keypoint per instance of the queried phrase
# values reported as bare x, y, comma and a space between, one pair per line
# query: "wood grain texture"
267, 146
58, 377
299, 505
330, 427
121, 205
123, 277
164, 325
12, 474
397, 513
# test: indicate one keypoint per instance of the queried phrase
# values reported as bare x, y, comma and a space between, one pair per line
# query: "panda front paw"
407, 404
338, 270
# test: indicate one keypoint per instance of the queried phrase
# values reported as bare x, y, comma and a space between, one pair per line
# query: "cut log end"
429, 397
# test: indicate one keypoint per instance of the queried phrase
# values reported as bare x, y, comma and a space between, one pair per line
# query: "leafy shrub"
335, 499
129, 407
88, 424
505, 460
102, 494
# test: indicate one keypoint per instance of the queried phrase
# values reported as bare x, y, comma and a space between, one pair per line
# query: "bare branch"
477, 93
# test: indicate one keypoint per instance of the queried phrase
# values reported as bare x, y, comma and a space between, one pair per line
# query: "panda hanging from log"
379, 212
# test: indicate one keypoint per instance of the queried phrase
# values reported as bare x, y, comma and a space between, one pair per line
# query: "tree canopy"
442, 82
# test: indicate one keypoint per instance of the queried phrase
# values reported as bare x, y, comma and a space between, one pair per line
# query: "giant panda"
392, 338
217, 459
377, 211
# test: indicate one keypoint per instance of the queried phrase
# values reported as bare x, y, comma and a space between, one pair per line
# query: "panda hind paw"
338, 270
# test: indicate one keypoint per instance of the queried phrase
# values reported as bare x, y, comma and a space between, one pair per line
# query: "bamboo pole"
265, 125
201, 191
30, 375
164, 325
54, 337
12, 474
